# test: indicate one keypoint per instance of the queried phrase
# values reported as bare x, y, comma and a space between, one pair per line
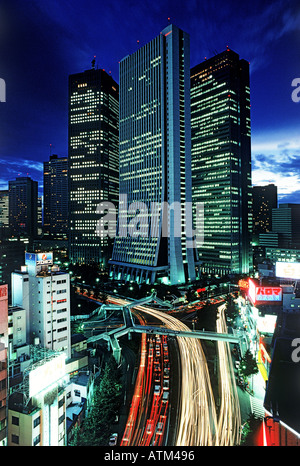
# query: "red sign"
268, 291
200, 290
264, 294
3, 292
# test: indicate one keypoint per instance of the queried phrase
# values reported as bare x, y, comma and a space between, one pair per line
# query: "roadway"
199, 422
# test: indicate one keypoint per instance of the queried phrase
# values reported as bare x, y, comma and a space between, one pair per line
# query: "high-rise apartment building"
93, 161
23, 210
43, 291
264, 200
221, 161
155, 163
56, 196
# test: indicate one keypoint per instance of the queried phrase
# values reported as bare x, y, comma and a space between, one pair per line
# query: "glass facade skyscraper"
155, 162
23, 210
264, 200
56, 196
93, 161
221, 161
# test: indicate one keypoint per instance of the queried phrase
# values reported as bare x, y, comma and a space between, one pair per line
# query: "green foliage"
231, 308
249, 430
248, 365
96, 428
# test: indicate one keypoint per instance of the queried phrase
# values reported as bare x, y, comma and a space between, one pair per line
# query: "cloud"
276, 159
14, 168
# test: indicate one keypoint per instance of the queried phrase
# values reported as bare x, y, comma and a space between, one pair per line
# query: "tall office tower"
93, 161
221, 161
23, 211
264, 200
56, 196
4, 217
286, 222
3, 364
155, 163
43, 291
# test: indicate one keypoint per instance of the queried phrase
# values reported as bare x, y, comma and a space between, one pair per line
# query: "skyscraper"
286, 222
23, 200
93, 161
264, 200
155, 162
221, 161
56, 195
4, 212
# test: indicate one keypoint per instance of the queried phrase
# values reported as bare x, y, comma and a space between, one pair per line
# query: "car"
113, 440
237, 364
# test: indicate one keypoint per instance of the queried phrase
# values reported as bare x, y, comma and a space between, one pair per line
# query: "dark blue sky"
43, 41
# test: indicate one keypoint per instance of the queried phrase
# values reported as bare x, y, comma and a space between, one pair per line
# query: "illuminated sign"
267, 323
288, 270
41, 258
264, 294
251, 291
47, 374
264, 354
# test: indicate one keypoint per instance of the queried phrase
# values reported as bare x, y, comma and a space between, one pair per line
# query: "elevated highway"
130, 327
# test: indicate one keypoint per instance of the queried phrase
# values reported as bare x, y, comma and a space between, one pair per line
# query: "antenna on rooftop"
93, 62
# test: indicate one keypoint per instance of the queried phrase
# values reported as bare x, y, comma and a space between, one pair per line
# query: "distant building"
264, 201
3, 364
221, 161
93, 162
11, 256
285, 228
4, 213
23, 207
276, 254
155, 162
56, 196
286, 221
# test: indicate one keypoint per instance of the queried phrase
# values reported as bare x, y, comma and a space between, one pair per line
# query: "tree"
95, 430
248, 365
231, 307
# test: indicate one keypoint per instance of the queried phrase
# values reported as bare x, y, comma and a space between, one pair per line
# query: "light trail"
137, 396
197, 420
198, 423
229, 420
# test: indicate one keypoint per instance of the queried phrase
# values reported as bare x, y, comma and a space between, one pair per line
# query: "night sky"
43, 41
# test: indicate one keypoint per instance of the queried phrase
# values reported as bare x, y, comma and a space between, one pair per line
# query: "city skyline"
44, 43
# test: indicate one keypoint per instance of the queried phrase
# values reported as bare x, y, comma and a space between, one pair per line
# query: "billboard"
46, 374
264, 294
266, 323
40, 258
288, 270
